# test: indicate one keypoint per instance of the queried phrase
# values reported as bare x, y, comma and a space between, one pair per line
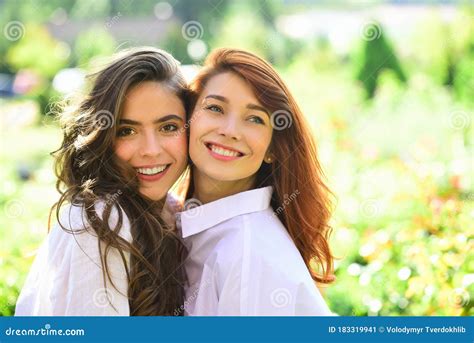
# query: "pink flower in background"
25, 81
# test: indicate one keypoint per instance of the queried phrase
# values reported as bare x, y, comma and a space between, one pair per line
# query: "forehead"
148, 98
231, 86
147, 90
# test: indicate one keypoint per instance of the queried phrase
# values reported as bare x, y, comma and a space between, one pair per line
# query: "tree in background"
40, 53
462, 36
95, 42
375, 55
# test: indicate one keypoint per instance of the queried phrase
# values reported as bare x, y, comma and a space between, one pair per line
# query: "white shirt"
66, 278
243, 262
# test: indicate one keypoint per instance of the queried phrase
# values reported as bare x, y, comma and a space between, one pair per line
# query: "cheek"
177, 147
124, 150
199, 127
201, 124
259, 142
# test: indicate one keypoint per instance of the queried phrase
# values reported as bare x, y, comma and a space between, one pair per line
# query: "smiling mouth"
223, 151
153, 171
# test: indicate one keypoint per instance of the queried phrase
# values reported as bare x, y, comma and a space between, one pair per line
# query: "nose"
230, 128
150, 145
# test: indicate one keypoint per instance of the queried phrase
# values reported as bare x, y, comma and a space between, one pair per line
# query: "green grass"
24, 204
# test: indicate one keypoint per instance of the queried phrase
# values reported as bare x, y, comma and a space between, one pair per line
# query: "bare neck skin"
207, 189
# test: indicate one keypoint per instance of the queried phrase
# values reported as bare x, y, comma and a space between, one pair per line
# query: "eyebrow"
249, 106
157, 121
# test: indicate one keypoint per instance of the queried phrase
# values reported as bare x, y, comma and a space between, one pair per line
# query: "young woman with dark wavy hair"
124, 146
256, 226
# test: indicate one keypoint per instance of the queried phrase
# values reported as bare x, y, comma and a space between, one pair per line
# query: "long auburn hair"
301, 199
88, 172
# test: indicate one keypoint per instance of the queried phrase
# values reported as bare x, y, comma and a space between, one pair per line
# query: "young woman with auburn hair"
256, 224
124, 146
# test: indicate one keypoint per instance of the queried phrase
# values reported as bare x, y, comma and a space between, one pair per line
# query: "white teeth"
224, 152
151, 171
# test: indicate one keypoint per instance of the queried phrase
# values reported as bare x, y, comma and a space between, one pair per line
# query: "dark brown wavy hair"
88, 172
301, 199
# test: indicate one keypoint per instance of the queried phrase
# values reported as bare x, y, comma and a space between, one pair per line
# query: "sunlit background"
387, 86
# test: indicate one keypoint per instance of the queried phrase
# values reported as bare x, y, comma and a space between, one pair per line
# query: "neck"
207, 189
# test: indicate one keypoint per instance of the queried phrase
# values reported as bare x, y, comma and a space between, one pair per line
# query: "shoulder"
67, 275
260, 244
73, 220
73, 235
260, 233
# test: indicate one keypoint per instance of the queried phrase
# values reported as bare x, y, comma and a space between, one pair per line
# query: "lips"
152, 170
152, 173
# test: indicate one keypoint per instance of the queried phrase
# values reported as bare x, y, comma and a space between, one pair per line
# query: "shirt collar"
198, 219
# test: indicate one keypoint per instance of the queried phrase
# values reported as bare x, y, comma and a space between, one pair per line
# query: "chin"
155, 196
226, 176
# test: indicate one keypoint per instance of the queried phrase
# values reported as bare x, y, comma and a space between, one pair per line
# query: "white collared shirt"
66, 278
243, 262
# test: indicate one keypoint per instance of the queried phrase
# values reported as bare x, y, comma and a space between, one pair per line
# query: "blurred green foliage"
376, 56
95, 42
38, 51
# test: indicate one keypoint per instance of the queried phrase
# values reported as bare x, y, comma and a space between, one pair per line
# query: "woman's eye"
214, 108
257, 120
125, 131
169, 128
